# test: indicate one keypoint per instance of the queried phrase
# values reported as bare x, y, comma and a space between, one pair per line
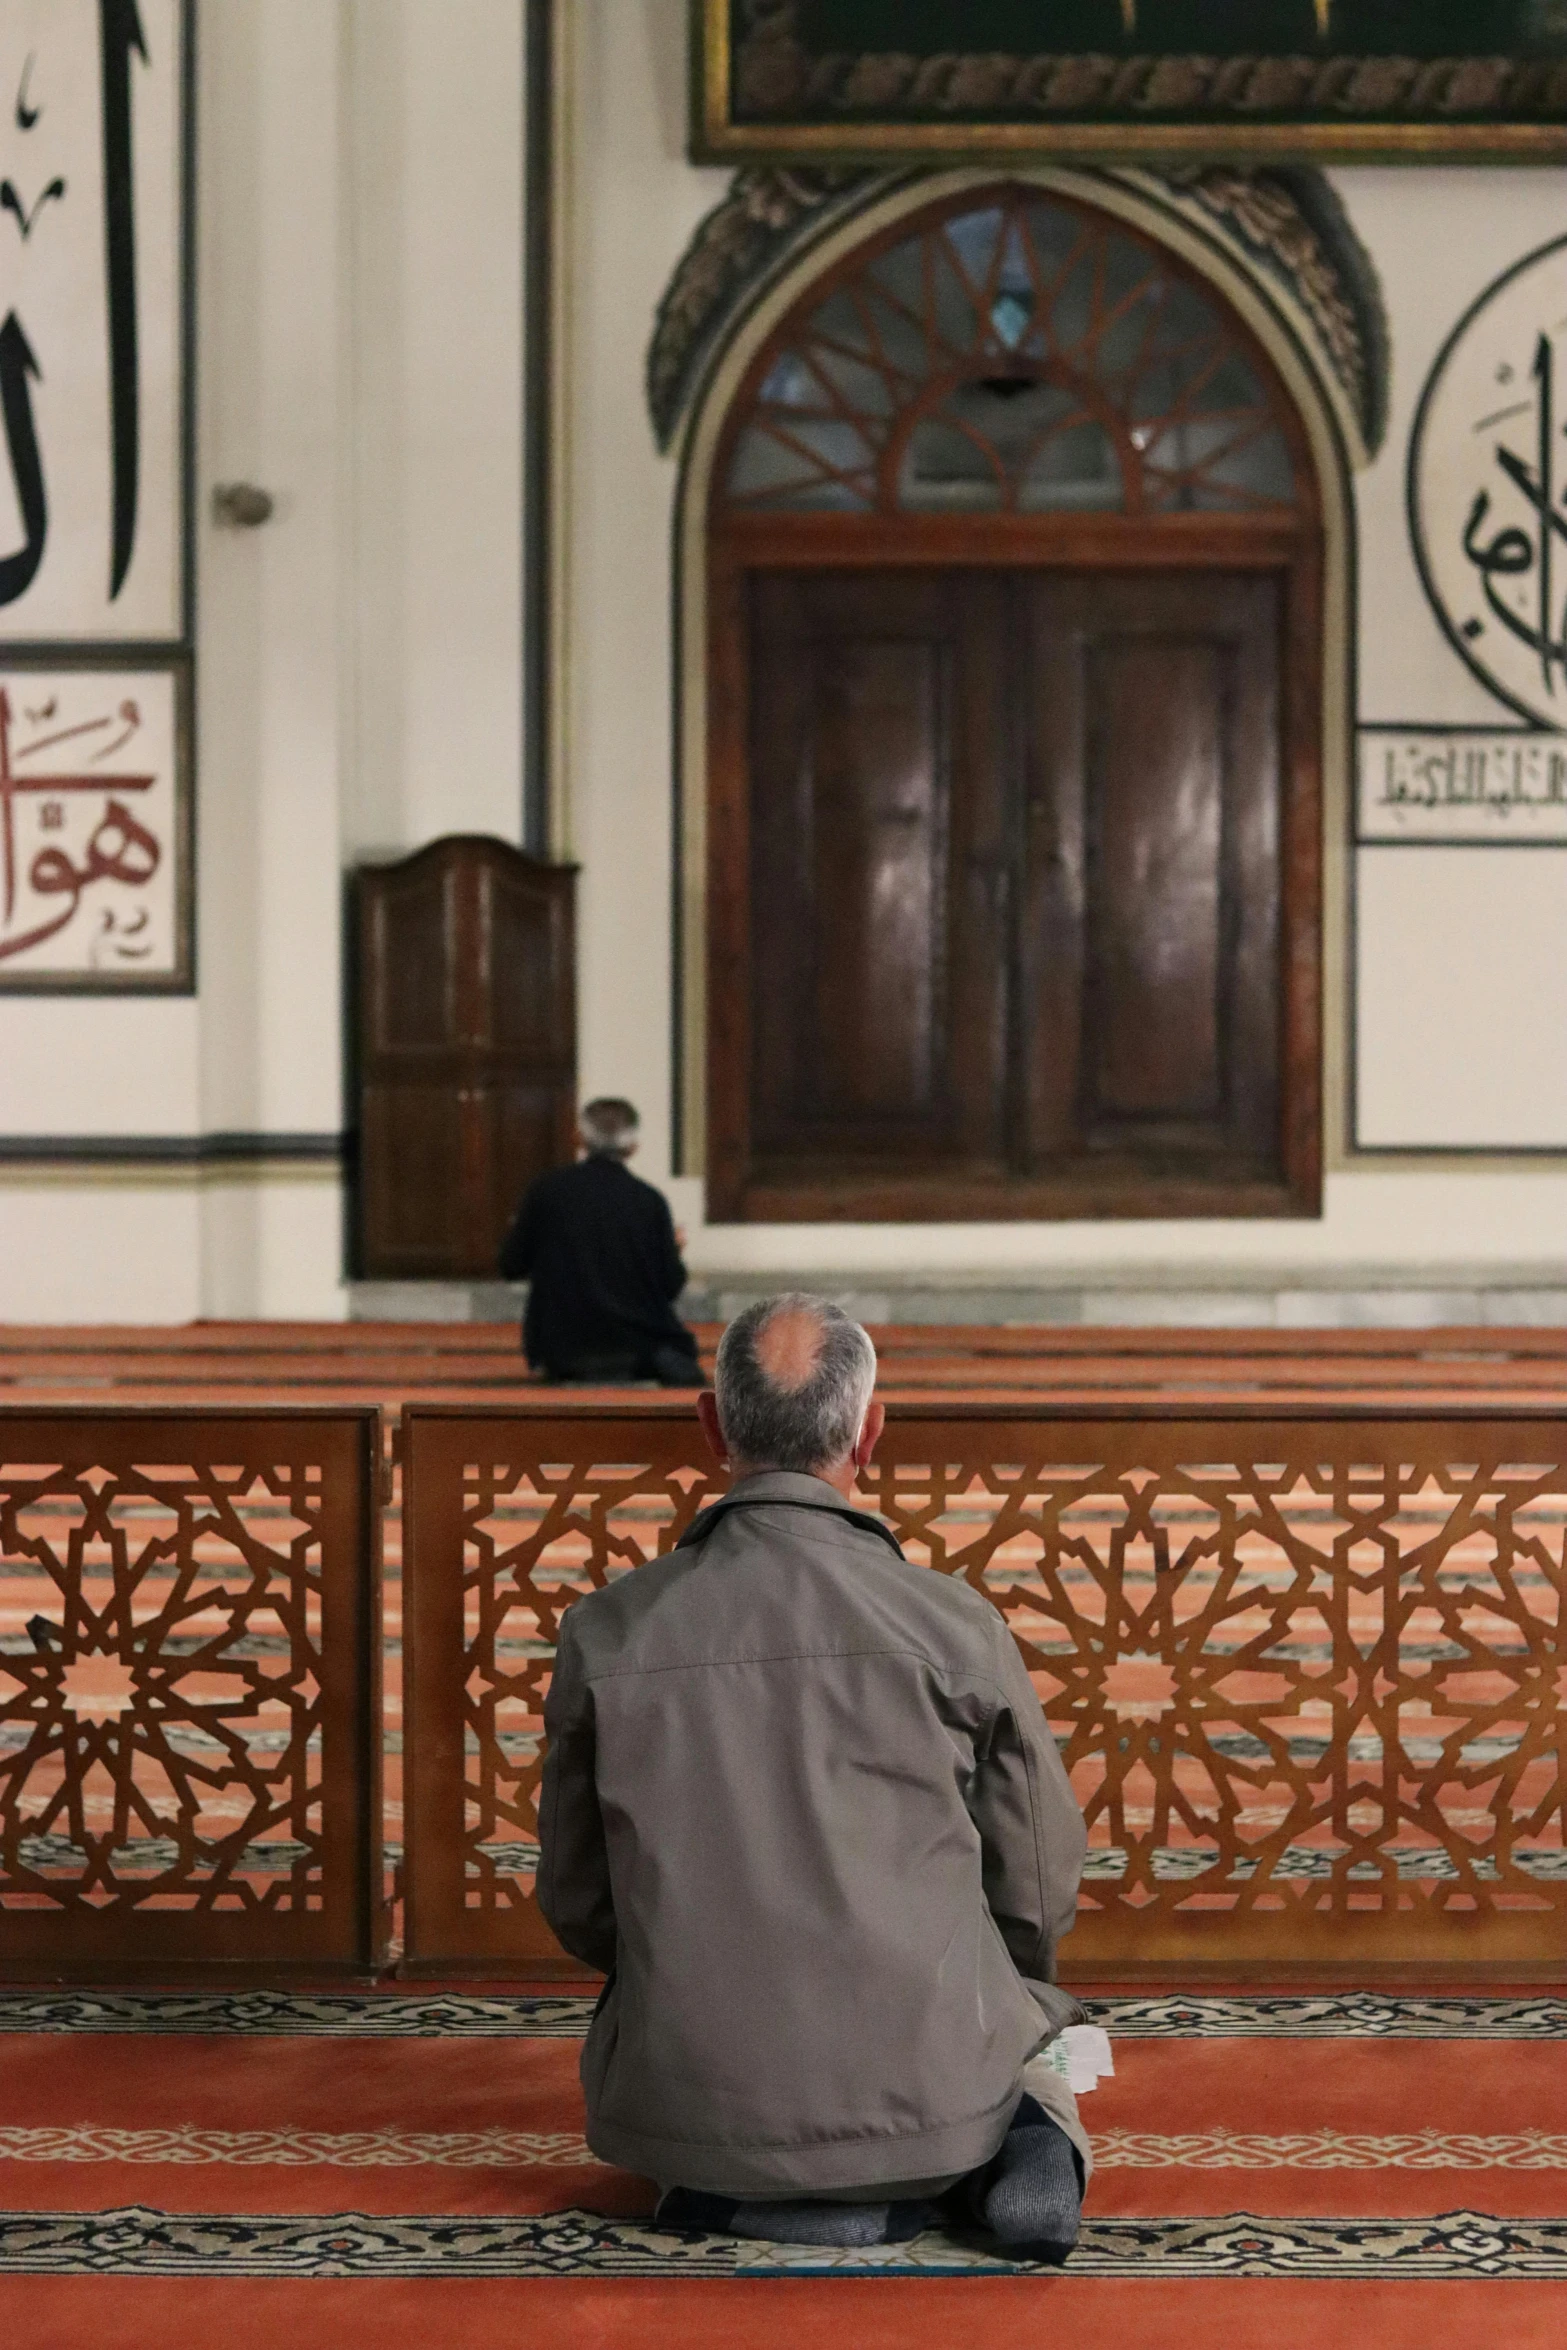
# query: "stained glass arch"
1011, 352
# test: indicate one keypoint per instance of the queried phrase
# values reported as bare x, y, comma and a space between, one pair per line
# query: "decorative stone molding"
1290, 226
733, 252
1286, 227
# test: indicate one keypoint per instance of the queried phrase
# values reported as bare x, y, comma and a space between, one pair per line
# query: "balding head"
794, 1382
788, 1346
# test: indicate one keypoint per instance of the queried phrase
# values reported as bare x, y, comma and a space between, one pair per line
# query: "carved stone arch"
1283, 259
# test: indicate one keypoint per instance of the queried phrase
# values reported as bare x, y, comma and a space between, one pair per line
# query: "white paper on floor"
1081, 2055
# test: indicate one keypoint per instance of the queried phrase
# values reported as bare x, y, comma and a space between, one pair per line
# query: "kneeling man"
802, 1807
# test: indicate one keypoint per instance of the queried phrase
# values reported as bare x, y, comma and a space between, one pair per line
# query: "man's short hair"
805, 1428
609, 1126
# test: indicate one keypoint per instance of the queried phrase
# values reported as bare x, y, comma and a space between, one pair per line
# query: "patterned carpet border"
565, 2015
137, 2242
1366, 2015
346, 2015
1220, 2149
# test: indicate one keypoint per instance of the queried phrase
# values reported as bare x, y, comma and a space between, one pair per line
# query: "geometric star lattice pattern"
1010, 353
534, 1542
1319, 1684
1308, 1677
160, 1683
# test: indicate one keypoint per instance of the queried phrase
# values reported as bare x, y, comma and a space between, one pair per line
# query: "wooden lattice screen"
189, 1691
1306, 1670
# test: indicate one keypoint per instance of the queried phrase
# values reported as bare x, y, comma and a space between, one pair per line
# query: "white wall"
434, 122
358, 658
271, 695
630, 204
1461, 1030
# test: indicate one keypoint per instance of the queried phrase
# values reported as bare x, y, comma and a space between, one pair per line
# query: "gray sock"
1032, 2192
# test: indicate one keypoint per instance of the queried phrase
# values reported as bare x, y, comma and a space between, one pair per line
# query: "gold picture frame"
762, 94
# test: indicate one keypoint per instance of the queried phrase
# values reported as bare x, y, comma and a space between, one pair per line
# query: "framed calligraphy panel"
1129, 79
94, 305
95, 828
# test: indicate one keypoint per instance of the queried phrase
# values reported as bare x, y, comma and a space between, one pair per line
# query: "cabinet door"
465, 1051
415, 1187
1150, 1003
878, 870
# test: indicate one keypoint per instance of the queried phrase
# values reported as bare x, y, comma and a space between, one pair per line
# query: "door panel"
416, 1189
1016, 903
1155, 813
872, 831
1152, 887
866, 735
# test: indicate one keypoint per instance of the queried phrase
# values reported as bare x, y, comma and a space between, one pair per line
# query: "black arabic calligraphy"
17, 364
120, 32
11, 201
1515, 553
120, 39
1498, 778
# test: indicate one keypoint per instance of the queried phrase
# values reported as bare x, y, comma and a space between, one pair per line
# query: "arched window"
1021, 356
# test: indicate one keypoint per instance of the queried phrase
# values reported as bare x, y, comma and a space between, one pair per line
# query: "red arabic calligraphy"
120, 848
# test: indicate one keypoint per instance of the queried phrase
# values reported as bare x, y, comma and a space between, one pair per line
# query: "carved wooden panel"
1306, 1671
189, 1731
465, 1042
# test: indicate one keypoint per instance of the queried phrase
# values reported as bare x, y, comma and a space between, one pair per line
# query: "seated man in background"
599, 1251
801, 1805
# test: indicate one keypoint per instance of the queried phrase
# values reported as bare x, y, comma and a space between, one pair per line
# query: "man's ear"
707, 1414
870, 1435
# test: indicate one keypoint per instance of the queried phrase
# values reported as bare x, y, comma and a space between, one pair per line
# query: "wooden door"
1029, 893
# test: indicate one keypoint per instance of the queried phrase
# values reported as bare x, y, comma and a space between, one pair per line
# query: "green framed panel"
1130, 80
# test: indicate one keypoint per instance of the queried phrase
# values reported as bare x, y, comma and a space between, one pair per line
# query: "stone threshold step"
1123, 1301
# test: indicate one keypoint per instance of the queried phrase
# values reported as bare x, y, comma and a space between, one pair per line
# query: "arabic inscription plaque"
1462, 784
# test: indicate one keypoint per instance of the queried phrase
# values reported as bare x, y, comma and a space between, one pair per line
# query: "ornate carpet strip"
1530, 2150
1359, 2016
565, 2015
1321, 2150
296, 2149
348, 2015
135, 2242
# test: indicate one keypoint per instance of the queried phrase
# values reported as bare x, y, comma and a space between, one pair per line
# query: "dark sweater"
598, 1247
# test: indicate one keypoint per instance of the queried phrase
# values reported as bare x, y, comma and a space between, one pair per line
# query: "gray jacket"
802, 1806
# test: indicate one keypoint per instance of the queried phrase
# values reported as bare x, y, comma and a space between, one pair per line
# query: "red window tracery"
1013, 354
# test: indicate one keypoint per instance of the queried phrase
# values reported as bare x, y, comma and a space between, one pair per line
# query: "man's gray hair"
609, 1126
812, 1426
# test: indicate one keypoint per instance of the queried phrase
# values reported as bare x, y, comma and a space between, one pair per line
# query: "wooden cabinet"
464, 1021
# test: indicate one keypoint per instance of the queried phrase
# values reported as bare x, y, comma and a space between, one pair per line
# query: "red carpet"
1059, 2313
435, 2135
